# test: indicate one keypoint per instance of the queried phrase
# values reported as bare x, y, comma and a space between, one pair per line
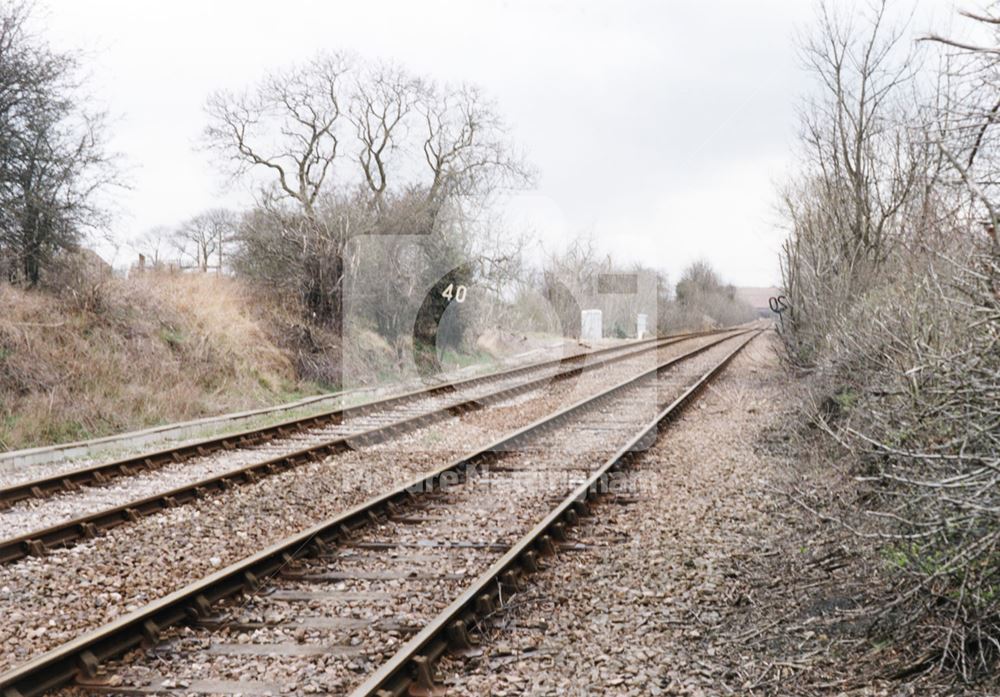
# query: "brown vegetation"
896, 315
115, 354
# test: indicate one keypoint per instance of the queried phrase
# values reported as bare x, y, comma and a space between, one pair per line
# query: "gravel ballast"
35, 514
196, 659
12, 473
637, 609
49, 600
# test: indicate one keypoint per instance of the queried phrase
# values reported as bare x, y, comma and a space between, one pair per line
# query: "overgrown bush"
895, 308
922, 358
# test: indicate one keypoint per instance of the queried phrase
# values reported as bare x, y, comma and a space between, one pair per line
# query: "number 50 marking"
453, 291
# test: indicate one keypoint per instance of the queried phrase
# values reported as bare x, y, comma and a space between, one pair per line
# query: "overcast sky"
658, 128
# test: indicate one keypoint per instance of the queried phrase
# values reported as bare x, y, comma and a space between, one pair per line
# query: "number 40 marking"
453, 291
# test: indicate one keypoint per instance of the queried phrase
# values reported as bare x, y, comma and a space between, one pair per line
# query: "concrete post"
591, 325
640, 326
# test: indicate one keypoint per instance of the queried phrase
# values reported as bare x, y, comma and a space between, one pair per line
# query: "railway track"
348, 576
343, 420
350, 428
94, 583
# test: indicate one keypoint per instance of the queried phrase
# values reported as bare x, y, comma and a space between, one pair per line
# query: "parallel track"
199, 601
424, 407
100, 474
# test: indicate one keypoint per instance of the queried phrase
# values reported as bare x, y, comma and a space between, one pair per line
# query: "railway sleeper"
511, 581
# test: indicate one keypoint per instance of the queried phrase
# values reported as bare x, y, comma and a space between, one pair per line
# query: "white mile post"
590, 325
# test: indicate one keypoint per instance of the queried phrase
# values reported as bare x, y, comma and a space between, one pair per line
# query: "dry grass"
132, 353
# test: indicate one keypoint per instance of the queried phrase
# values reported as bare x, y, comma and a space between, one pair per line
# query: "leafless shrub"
580, 278
205, 239
702, 300
82, 279
862, 167
894, 299
919, 384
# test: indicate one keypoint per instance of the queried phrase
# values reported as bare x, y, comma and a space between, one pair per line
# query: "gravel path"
36, 514
636, 611
95, 582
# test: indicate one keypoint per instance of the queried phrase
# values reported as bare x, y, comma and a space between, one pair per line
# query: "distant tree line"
551, 296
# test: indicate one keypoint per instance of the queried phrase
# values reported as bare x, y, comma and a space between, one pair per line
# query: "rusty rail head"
83, 654
449, 630
99, 474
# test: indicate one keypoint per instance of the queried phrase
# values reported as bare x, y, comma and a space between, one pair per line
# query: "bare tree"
152, 245
465, 145
286, 130
383, 97
863, 165
966, 117
858, 154
285, 127
294, 124
204, 238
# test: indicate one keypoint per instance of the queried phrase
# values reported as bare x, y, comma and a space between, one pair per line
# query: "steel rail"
99, 474
74, 530
83, 655
410, 670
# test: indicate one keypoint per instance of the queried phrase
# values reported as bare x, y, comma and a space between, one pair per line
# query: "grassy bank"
134, 353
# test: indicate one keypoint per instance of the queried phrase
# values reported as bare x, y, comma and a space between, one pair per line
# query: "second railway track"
99, 508
99, 580
440, 536
65, 477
